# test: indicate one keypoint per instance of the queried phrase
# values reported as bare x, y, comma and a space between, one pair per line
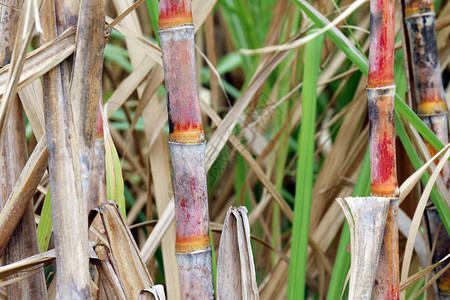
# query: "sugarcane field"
224, 149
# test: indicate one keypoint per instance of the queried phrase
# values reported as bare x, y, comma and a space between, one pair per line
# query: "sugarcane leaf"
45, 227
107, 273
41, 60
155, 292
114, 179
305, 171
236, 277
129, 266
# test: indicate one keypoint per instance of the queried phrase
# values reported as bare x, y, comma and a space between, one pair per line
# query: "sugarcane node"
415, 7
174, 13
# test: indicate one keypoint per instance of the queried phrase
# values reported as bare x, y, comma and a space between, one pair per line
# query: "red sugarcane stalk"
187, 147
381, 92
429, 101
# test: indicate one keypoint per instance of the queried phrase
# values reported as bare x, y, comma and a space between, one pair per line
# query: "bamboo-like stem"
85, 87
187, 148
430, 106
68, 210
381, 92
13, 156
366, 218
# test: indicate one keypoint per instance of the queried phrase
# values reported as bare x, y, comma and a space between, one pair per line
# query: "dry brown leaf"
41, 60
236, 277
36, 260
23, 191
108, 278
155, 292
21, 42
366, 217
32, 100
131, 270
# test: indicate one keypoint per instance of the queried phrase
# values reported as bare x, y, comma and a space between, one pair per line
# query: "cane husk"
236, 276
366, 217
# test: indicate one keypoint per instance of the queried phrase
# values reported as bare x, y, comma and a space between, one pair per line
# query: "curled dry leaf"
236, 278
129, 267
110, 281
155, 292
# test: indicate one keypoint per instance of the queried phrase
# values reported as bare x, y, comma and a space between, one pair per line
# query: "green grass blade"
45, 227
305, 172
153, 12
342, 261
114, 179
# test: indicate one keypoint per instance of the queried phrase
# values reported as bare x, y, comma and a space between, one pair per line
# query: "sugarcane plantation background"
180, 149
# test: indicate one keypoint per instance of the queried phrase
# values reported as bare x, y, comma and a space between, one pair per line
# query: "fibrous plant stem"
69, 214
85, 86
187, 148
429, 103
381, 92
13, 156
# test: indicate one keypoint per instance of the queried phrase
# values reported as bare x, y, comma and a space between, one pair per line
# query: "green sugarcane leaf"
305, 171
45, 227
114, 179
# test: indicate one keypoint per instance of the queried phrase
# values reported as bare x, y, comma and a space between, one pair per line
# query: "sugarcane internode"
381, 93
430, 105
187, 148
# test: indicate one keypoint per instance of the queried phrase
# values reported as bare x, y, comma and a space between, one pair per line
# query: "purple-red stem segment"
187, 148
381, 92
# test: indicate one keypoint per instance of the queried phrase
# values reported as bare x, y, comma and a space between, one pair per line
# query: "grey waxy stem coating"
366, 217
193, 250
196, 282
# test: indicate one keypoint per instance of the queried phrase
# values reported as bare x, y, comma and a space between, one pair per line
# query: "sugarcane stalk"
381, 92
85, 87
13, 156
69, 214
187, 149
430, 105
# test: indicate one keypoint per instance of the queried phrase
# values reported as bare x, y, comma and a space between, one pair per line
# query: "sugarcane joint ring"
440, 113
185, 27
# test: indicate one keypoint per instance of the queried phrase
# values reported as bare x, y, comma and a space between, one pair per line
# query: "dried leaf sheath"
14, 154
187, 149
85, 87
236, 277
366, 218
68, 211
381, 92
